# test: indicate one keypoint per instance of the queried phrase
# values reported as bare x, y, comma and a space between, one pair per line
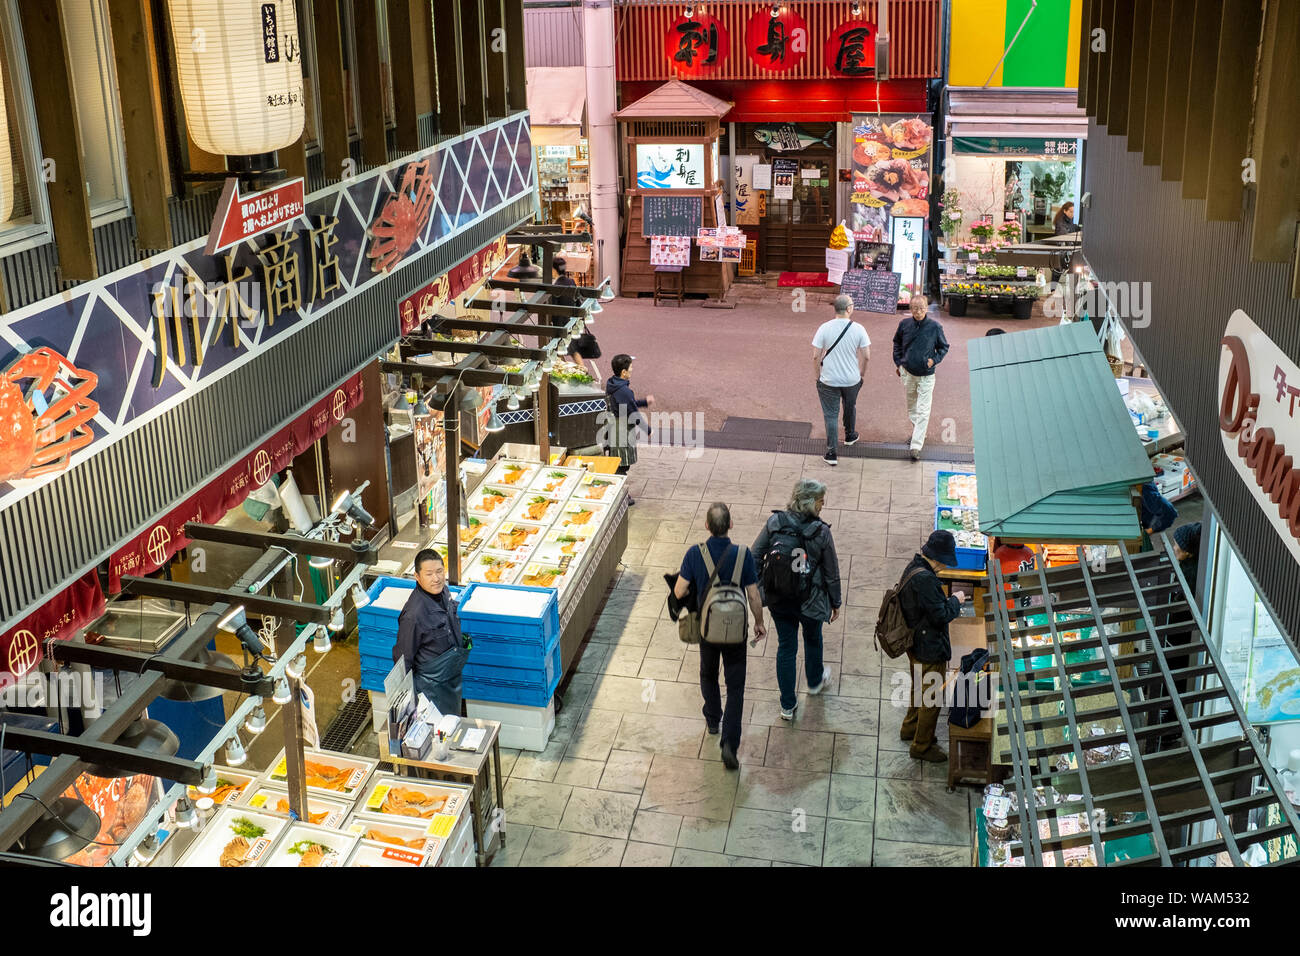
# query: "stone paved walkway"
630, 776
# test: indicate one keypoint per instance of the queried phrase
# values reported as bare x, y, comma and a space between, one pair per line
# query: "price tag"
1021, 272
970, 270
974, 257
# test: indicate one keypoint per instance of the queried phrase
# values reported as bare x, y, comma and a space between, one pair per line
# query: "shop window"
94, 86
20, 212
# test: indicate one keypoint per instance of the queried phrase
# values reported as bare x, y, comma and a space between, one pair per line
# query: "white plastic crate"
459, 850
522, 728
378, 709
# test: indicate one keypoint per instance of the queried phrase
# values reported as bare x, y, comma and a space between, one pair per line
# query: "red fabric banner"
154, 547
420, 306
23, 645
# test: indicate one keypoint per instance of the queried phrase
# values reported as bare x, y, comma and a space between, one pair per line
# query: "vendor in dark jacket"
928, 611
624, 410
429, 638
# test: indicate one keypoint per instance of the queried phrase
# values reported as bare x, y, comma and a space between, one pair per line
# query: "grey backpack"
724, 615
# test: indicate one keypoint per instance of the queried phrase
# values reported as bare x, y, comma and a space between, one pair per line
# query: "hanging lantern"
6, 161
240, 69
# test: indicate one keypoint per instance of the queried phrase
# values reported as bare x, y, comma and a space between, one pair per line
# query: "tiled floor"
631, 777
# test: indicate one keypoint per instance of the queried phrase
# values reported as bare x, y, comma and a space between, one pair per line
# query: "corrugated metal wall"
641, 25
75, 522
1139, 229
553, 35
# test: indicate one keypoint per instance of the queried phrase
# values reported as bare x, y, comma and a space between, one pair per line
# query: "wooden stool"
970, 753
669, 283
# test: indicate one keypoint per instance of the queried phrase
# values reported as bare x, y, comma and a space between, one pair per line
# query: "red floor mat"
805, 280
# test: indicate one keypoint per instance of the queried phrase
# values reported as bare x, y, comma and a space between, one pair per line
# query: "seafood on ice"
406, 802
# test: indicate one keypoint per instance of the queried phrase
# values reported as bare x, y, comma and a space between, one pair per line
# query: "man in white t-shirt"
843, 350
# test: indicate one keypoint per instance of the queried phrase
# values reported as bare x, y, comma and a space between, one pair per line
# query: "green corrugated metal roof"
1056, 454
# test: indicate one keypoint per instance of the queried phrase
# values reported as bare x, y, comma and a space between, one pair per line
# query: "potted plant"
1022, 306
959, 294
950, 222
1001, 298
983, 230
1010, 232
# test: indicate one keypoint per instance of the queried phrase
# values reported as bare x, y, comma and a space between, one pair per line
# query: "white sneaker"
826, 676
789, 714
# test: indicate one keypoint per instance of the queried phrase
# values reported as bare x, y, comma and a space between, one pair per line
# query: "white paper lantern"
6, 160
240, 69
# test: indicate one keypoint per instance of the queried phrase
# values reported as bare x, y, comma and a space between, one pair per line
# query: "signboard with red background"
697, 46
776, 43
422, 304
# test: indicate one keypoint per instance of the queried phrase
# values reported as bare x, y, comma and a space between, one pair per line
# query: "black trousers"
732, 659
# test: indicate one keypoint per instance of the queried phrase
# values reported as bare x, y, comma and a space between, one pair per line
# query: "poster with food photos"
670, 250
891, 171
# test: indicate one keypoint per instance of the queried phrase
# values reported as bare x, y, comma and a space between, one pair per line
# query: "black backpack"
970, 691
787, 566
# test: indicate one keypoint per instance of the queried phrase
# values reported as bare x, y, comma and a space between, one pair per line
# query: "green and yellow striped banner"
1046, 55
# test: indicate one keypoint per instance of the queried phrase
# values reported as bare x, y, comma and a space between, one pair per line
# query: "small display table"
668, 283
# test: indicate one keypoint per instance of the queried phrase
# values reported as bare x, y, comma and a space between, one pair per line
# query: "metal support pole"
295, 763
451, 425
731, 175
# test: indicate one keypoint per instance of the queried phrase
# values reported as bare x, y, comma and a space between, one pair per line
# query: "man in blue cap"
928, 611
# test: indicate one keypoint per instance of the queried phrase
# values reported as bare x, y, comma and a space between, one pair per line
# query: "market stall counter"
478, 769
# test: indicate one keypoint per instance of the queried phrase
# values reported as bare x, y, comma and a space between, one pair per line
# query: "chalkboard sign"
877, 256
671, 215
872, 291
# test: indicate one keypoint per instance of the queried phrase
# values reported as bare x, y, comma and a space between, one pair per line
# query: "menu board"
670, 250
671, 215
876, 256
872, 291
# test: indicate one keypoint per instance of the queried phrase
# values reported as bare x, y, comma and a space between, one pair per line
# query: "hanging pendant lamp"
151, 737
68, 827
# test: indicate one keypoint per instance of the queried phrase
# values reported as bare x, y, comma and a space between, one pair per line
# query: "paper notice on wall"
837, 260
810, 172
762, 176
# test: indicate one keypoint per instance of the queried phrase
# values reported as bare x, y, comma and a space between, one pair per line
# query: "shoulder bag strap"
741, 554
847, 325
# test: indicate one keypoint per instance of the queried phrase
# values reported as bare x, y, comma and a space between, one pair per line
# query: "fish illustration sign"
670, 166
787, 137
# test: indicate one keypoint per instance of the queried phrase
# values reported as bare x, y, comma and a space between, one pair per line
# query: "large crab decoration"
403, 218
45, 413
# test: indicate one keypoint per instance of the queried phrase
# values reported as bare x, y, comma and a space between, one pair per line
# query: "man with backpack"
722, 577
800, 583
927, 612
840, 363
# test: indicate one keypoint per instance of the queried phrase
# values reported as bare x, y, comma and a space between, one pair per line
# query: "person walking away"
703, 566
840, 364
800, 584
625, 419
1156, 513
429, 638
919, 346
928, 612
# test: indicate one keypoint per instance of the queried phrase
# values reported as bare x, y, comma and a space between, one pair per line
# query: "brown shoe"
933, 755
907, 735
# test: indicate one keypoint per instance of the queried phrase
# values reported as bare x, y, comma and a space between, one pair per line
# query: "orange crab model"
40, 441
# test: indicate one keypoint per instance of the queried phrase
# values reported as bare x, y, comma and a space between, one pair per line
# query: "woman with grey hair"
799, 579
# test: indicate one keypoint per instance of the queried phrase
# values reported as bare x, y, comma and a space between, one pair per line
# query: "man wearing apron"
428, 636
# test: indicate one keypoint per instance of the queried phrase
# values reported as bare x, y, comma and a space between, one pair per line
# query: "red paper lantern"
776, 43
851, 50
696, 46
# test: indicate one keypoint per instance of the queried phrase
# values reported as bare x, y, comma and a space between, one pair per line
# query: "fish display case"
321, 811
304, 845
339, 776
235, 836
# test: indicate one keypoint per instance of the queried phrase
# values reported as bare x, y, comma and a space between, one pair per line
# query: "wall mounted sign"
742, 191
696, 46
1258, 388
776, 43
850, 50
244, 217
791, 138
670, 166
23, 645
1015, 146
157, 331
421, 305
891, 171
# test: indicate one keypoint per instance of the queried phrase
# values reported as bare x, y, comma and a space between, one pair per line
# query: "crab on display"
45, 413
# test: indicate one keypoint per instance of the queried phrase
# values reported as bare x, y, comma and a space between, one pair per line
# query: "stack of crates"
514, 667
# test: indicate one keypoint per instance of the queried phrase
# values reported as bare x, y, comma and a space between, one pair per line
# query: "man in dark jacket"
428, 636
919, 346
928, 611
625, 419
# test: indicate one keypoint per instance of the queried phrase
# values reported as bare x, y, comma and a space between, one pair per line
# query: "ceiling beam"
1200, 98
1177, 79
408, 349
1233, 92
105, 657
1139, 62
201, 594
1277, 138
1157, 75
123, 758
262, 540
1120, 45
472, 377
490, 325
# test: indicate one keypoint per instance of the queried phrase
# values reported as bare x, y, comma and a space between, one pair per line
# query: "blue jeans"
787, 649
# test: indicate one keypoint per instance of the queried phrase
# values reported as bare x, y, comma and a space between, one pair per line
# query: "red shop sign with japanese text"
696, 46
776, 43
422, 304
154, 547
243, 217
851, 50
23, 645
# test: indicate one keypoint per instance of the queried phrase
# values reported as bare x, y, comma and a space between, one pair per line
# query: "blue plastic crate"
941, 485
968, 559
506, 692
376, 643
498, 653
509, 628
490, 662
382, 618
